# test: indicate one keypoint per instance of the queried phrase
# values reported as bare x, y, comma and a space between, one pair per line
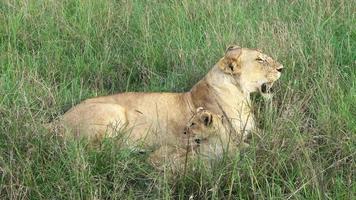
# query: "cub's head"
251, 69
204, 125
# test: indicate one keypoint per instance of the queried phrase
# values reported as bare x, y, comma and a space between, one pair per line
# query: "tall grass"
53, 54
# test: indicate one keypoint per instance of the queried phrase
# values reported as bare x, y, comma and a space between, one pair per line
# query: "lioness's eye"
260, 60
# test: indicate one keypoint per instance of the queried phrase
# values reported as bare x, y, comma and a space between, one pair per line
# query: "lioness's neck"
217, 87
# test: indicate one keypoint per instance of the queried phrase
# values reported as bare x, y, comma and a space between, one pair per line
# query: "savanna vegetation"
53, 54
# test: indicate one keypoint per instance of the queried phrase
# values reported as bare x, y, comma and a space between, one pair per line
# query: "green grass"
53, 54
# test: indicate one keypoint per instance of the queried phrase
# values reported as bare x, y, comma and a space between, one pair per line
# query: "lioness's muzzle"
266, 88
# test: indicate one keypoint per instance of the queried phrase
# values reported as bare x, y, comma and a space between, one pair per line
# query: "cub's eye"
193, 124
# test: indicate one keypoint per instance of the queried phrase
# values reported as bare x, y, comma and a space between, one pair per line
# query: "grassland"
53, 54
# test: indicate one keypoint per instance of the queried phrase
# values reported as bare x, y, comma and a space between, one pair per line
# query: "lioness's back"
94, 120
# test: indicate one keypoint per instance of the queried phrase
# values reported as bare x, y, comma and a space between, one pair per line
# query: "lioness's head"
250, 68
204, 125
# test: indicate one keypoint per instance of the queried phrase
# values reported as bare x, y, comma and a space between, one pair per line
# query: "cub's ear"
207, 119
199, 109
230, 61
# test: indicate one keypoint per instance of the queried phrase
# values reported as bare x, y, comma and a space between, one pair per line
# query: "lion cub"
211, 136
207, 138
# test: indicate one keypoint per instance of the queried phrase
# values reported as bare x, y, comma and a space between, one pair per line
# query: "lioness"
159, 118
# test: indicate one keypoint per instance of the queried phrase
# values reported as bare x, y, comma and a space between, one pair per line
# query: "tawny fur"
208, 137
160, 118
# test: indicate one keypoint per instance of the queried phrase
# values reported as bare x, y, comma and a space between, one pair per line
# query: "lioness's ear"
230, 62
232, 47
207, 119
